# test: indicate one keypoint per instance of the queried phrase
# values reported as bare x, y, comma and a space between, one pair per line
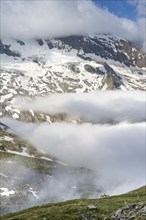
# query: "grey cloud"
98, 107
116, 153
43, 19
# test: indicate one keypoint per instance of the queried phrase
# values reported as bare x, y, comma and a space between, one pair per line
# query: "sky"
48, 18
123, 8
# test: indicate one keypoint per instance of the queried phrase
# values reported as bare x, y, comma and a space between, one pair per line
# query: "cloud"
140, 6
97, 107
38, 187
43, 19
116, 153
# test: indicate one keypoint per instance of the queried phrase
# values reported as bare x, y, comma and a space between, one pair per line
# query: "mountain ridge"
105, 45
75, 64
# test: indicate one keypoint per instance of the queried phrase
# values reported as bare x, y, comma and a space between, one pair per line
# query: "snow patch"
6, 192
15, 116
46, 158
6, 138
34, 193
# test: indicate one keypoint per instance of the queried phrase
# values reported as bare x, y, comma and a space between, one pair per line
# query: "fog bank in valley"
96, 107
115, 152
110, 140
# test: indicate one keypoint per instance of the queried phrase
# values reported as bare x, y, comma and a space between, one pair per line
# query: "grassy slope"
78, 209
17, 145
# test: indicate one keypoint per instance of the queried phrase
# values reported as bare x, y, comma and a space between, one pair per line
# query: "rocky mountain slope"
23, 170
74, 64
127, 206
28, 176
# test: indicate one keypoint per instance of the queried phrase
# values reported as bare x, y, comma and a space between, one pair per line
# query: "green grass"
30, 162
18, 145
69, 210
78, 209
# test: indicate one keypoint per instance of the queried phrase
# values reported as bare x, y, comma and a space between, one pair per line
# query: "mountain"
23, 170
40, 67
28, 176
87, 47
131, 205
74, 64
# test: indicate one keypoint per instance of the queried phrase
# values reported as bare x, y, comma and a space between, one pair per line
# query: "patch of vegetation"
86, 209
35, 159
30, 162
16, 144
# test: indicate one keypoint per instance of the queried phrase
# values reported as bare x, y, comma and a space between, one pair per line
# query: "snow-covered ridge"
74, 64
104, 45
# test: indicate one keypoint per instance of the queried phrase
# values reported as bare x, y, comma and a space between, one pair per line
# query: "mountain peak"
87, 47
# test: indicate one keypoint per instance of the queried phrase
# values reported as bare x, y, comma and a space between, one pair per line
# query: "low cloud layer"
116, 153
37, 187
43, 19
97, 107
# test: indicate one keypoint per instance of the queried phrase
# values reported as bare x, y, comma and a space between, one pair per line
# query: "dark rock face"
40, 42
117, 81
74, 68
3, 127
20, 42
50, 45
76, 42
90, 69
99, 71
135, 211
111, 79
5, 49
134, 53
106, 46
110, 48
